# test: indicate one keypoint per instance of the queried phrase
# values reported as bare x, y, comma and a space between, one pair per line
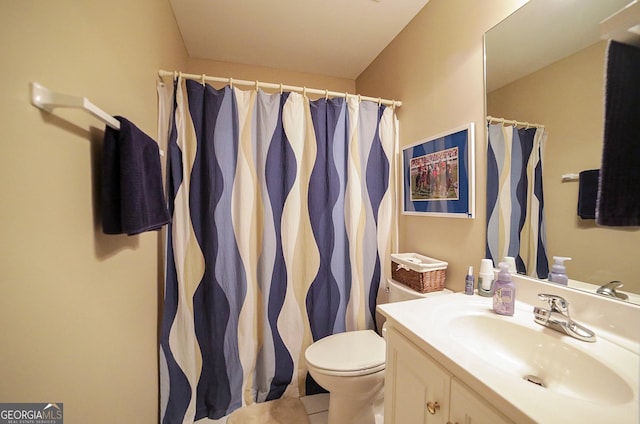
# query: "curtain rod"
513, 122
281, 87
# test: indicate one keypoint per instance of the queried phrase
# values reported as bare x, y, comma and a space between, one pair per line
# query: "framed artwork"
439, 175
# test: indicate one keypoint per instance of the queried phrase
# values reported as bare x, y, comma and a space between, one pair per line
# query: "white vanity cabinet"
418, 390
467, 407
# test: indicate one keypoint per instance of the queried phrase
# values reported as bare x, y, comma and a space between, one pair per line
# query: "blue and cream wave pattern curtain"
282, 210
515, 201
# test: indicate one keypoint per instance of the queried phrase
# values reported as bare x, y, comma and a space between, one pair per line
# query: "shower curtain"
515, 201
281, 210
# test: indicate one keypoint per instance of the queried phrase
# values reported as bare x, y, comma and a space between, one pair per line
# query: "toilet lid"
350, 351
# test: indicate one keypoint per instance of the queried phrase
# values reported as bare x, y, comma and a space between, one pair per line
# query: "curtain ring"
281, 88
326, 94
304, 91
359, 98
379, 102
202, 80
257, 85
175, 75
231, 82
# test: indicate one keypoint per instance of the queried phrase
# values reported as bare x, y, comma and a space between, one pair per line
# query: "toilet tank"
397, 292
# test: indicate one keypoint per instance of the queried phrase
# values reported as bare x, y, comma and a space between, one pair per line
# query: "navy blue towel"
619, 189
588, 193
132, 194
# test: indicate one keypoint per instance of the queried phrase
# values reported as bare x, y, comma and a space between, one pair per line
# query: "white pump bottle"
558, 272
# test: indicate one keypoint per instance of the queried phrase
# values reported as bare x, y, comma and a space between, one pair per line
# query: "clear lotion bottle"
504, 292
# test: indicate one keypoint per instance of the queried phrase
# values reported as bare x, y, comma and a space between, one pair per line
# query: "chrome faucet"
609, 289
557, 318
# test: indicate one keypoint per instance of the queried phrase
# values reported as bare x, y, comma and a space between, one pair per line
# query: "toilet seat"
348, 354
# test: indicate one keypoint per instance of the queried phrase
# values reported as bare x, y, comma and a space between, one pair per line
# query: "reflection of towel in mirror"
619, 189
587, 193
132, 194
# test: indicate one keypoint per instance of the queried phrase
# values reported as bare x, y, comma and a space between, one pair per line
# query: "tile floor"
316, 406
317, 410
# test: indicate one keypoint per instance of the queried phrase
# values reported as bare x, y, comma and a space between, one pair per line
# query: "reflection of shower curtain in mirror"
515, 202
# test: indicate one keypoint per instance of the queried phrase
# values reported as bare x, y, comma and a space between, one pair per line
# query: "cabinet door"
416, 388
469, 408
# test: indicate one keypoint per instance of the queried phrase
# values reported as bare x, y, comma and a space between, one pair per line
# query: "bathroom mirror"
544, 64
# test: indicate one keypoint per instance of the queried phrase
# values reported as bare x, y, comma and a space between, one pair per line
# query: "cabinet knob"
432, 407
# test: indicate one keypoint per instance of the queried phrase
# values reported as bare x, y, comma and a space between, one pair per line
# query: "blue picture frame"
439, 175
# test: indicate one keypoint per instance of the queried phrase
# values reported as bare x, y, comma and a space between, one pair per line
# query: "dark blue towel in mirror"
588, 193
619, 190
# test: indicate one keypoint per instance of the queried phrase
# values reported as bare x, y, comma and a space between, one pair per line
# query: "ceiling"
338, 38
540, 33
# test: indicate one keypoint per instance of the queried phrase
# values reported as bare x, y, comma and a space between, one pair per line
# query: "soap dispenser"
504, 292
558, 272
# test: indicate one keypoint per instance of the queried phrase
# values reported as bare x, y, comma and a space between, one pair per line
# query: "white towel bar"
45, 99
570, 177
48, 100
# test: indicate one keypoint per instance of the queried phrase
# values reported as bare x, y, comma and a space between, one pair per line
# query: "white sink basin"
504, 359
539, 357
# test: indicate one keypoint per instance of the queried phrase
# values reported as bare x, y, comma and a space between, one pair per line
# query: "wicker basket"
421, 273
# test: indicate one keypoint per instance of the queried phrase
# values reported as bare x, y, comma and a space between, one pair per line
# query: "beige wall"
567, 97
78, 309
434, 66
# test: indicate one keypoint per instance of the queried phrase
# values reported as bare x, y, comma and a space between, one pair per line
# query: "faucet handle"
609, 289
614, 284
556, 303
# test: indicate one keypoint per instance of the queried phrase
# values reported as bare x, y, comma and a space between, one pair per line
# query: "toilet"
350, 366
